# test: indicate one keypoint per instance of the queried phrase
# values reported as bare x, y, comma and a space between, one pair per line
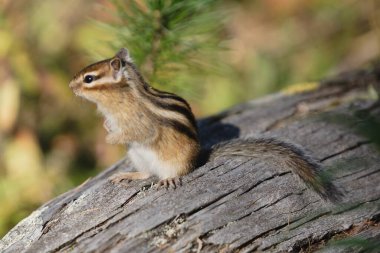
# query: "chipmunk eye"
89, 78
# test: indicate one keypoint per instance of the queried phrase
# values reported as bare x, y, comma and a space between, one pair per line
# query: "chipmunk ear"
116, 64
123, 55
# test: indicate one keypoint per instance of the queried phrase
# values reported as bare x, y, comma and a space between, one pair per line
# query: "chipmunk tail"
283, 154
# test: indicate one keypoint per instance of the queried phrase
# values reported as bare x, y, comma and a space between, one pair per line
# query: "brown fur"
162, 123
160, 120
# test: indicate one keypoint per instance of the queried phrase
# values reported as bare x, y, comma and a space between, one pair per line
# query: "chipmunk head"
116, 73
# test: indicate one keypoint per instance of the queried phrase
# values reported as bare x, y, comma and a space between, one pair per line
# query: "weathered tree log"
234, 204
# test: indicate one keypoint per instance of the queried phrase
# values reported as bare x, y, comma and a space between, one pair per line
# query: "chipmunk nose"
73, 84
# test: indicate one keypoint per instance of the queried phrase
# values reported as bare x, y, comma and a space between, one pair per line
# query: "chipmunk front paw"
128, 176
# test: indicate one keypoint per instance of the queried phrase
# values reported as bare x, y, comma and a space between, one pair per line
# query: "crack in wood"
369, 174
357, 145
233, 168
310, 218
130, 199
351, 206
350, 174
264, 180
205, 173
247, 243
47, 225
209, 203
300, 209
277, 123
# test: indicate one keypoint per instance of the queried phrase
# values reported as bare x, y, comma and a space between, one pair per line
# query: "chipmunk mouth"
76, 91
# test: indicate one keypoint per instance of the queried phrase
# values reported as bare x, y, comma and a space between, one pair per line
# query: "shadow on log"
236, 204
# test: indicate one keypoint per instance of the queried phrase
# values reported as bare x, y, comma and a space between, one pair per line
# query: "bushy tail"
283, 153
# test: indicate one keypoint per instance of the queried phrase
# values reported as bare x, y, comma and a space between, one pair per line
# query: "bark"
236, 204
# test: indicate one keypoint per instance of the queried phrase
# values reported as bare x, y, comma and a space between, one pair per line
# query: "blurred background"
213, 53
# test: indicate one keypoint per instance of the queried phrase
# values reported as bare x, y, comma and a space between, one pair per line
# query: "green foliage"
169, 39
357, 244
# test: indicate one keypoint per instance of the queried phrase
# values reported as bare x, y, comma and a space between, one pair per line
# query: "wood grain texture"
234, 204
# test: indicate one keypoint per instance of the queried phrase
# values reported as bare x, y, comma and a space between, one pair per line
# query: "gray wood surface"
235, 204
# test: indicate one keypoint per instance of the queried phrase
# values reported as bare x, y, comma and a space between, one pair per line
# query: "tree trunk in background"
236, 204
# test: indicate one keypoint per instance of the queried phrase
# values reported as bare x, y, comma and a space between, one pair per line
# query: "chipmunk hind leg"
171, 177
172, 182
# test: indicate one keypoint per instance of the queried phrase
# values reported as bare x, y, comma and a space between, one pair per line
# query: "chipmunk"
160, 129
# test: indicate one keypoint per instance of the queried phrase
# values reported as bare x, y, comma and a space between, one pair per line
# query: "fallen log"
236, 204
